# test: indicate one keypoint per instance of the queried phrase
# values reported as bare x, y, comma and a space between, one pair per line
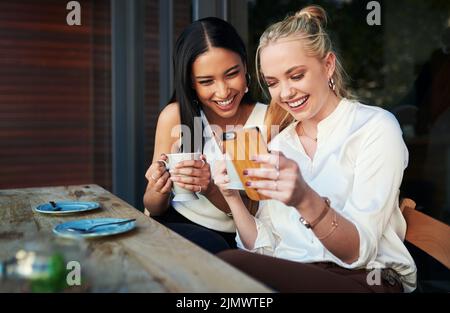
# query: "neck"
310, 125
236, 119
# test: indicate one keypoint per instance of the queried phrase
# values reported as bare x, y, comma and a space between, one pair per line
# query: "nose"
222, 91
286, 92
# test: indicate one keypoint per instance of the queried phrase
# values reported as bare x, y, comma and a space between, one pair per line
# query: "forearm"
343, 241
155, 202
245, 223
215, 197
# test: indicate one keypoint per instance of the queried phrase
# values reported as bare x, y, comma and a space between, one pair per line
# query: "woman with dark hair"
211, 95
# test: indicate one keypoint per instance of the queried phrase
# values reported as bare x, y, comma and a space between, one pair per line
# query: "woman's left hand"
279, 178
193, 175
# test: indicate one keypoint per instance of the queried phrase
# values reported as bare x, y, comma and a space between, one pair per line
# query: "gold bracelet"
334, 225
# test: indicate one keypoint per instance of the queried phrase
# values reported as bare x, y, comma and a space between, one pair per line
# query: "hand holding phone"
240, 145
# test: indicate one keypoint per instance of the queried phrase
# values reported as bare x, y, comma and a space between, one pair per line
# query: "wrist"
309, 202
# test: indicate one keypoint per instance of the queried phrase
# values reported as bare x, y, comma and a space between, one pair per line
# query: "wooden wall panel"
54, 94
151, 63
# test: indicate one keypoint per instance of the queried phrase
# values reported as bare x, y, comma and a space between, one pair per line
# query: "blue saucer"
67, 207
99, 231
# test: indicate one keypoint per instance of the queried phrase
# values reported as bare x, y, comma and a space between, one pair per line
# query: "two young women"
333, 222
211, 95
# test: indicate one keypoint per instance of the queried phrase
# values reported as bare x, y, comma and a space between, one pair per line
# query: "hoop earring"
331, 84
195, 102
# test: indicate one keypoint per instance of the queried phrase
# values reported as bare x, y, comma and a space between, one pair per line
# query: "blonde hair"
308, 25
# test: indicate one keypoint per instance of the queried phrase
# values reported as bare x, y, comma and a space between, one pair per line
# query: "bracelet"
334, 225
321, 216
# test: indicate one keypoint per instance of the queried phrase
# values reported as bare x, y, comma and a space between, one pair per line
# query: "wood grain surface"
150, 258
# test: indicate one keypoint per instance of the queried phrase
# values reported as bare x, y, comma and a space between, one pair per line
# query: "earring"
331, 84
195, 102
246, 89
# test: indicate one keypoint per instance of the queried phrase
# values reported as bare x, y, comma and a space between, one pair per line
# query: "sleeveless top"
202, 211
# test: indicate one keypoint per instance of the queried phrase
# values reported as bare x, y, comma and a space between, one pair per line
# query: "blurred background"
79, 104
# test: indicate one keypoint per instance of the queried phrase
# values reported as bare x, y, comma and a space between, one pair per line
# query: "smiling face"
298, 82
218, 77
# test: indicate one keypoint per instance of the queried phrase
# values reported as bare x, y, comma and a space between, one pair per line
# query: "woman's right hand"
158, 176
221, 179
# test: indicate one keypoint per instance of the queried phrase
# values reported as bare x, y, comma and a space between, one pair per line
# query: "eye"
205, 82
232, 74
297, 76
270, 84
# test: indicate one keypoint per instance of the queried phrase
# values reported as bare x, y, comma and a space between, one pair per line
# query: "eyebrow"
289, 71
226, 72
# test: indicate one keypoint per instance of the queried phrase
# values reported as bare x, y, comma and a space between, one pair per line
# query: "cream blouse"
358, 165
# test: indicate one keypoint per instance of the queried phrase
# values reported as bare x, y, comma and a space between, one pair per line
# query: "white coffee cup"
181, 194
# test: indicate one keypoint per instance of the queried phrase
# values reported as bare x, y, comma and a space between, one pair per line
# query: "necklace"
305, 134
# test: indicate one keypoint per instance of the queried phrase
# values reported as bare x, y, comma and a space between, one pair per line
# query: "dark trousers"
209, 239
289, 276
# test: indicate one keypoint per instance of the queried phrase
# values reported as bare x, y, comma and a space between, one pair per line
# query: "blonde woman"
333, 223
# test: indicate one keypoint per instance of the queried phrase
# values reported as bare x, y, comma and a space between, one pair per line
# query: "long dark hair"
195, 40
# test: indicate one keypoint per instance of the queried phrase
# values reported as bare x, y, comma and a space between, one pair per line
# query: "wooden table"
150, 258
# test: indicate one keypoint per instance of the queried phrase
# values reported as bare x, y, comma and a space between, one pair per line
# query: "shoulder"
379, 133
170, 114
169, 121
167, 131
375, 119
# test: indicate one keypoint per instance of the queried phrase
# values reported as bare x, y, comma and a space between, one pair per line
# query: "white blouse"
358, 165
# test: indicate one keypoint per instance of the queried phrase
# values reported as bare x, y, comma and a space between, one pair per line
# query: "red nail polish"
245, 172
248, 183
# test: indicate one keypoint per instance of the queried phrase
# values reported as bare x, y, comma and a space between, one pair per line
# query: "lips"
226, 104
298, 102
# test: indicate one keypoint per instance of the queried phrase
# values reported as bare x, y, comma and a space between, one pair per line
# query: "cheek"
274, 93
239, 82
203, 92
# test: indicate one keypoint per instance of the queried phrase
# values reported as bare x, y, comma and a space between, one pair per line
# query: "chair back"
426, 233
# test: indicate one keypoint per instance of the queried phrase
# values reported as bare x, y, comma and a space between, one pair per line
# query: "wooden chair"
426, 233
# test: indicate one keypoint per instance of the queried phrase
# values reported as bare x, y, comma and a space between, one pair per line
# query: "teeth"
298, 103
226, 102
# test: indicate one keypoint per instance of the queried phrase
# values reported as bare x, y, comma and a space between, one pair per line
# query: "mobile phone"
240, 145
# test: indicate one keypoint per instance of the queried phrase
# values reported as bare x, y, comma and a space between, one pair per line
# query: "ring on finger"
200, 189
203, 163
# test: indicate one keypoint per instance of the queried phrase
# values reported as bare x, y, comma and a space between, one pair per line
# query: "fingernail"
253, 158
245, 172
248, 183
